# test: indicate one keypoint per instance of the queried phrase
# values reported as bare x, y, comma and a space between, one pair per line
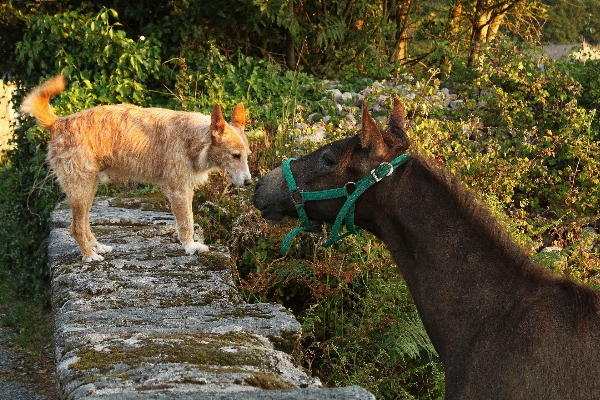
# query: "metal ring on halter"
353, 187
377, 179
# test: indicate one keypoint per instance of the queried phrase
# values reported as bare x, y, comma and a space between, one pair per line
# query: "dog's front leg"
181, 204
80, 226
96, 246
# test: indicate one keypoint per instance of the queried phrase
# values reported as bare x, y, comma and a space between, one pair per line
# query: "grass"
32, 320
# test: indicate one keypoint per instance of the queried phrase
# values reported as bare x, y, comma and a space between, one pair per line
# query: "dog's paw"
195, 247
101, 248
93, 257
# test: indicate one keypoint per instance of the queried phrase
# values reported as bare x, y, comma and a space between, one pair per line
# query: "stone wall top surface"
153, 322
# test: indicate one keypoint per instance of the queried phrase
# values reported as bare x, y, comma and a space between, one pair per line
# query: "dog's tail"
37, 103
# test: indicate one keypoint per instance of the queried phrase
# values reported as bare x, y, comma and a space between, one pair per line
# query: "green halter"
346, 213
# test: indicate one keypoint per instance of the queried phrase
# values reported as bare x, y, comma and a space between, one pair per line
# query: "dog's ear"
238, 116
217, 122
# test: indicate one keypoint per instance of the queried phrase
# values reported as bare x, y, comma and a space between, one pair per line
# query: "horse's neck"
457, 275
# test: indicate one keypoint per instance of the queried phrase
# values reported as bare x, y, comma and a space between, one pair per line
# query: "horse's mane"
470, 206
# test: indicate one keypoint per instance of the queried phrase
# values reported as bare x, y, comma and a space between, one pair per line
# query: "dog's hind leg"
181, 204
80, 198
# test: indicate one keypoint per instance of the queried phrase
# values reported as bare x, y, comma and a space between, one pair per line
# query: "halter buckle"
297, 197
374, 171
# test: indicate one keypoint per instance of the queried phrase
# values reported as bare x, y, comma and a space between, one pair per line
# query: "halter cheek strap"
351, 190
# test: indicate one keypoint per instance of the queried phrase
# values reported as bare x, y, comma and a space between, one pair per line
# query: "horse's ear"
370, 136
398, 123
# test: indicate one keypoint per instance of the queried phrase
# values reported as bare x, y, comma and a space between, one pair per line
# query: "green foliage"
572, 22
371, 336
271, 93
26, 199
334, 38
585, 74
93, 54
522, 135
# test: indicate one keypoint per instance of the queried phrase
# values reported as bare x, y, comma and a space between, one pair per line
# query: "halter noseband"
346, 212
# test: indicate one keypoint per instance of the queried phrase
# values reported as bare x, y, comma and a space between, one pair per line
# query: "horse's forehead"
349, 142
343, 151
345, 146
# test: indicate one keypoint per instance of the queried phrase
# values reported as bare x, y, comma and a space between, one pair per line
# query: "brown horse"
503, 327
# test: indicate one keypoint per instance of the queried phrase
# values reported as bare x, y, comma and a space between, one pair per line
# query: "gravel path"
23, 377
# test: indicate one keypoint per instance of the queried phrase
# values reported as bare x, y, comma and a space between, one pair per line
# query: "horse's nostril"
247, 182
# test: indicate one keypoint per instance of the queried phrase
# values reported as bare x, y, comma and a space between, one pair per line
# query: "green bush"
586, 75
100, 63
371, 335
527, 136
26, 199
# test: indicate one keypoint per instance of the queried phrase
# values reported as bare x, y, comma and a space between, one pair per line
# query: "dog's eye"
236, 156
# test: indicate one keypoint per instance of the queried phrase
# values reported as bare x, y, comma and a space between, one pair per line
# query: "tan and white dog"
175, 150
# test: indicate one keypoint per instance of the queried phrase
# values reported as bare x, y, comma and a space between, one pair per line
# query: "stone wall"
579, 51
152, 322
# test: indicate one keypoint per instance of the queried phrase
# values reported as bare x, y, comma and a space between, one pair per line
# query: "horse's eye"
237, 156
328, 160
